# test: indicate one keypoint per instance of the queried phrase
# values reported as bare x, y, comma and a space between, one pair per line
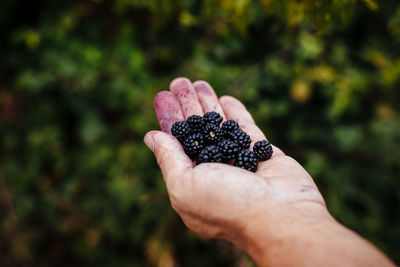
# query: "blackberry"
212, 134
262, 150
212, 118
246, 160
209, 154
195, 123
193, 144
229, 126
180, 130
228, 149
241, 138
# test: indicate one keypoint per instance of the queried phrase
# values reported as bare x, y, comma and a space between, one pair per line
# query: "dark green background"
77, 80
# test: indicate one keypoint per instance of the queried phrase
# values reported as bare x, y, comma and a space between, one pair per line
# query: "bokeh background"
77, 80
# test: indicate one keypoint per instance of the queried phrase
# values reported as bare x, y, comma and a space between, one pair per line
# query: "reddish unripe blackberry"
195, 123
246, 160
229, 126
228, 149
239, 137
180, 130
209, 154
263, 150
193, 144
212, 134
212, 118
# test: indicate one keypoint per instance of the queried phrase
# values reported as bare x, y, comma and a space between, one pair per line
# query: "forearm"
310, 242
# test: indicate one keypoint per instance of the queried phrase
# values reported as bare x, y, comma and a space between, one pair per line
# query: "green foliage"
78, 187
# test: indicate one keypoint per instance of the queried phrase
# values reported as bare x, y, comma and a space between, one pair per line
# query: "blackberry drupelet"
209, 154
246, 160
212, 134
228, 149
195, 123
241, 138
193, 144
212, 118
205, 141
229, 126
180, 130
263, 150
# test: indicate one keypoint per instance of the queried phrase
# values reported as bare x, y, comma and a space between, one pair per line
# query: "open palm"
216, 199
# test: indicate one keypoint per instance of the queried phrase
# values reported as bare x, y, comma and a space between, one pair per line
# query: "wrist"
267, 234
306, 235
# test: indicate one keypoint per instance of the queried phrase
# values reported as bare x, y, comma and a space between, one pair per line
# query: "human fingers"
208, 98
183, 89
168, 110
235, 110
171, 158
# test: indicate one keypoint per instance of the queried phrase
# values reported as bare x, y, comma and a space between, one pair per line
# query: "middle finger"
208, 98
187, 97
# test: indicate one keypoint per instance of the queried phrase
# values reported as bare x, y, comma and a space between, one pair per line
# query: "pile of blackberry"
204, 139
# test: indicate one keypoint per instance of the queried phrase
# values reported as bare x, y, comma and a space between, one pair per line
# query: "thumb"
169, 153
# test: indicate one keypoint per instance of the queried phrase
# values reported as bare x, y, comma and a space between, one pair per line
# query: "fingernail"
149, 141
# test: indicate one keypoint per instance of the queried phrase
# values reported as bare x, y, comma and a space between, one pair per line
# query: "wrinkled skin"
219, 200
276, 215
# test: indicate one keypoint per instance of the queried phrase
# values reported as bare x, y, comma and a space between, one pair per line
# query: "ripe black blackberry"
229, 126
212, 134
262, 149
228, 149
212, 118
241, 138
195, 123
193, 144
180, 130
246, 160
209, 154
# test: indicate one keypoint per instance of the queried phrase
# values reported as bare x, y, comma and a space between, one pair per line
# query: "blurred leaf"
78, 78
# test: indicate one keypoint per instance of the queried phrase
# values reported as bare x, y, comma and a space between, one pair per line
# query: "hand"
276, 215
219, 200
